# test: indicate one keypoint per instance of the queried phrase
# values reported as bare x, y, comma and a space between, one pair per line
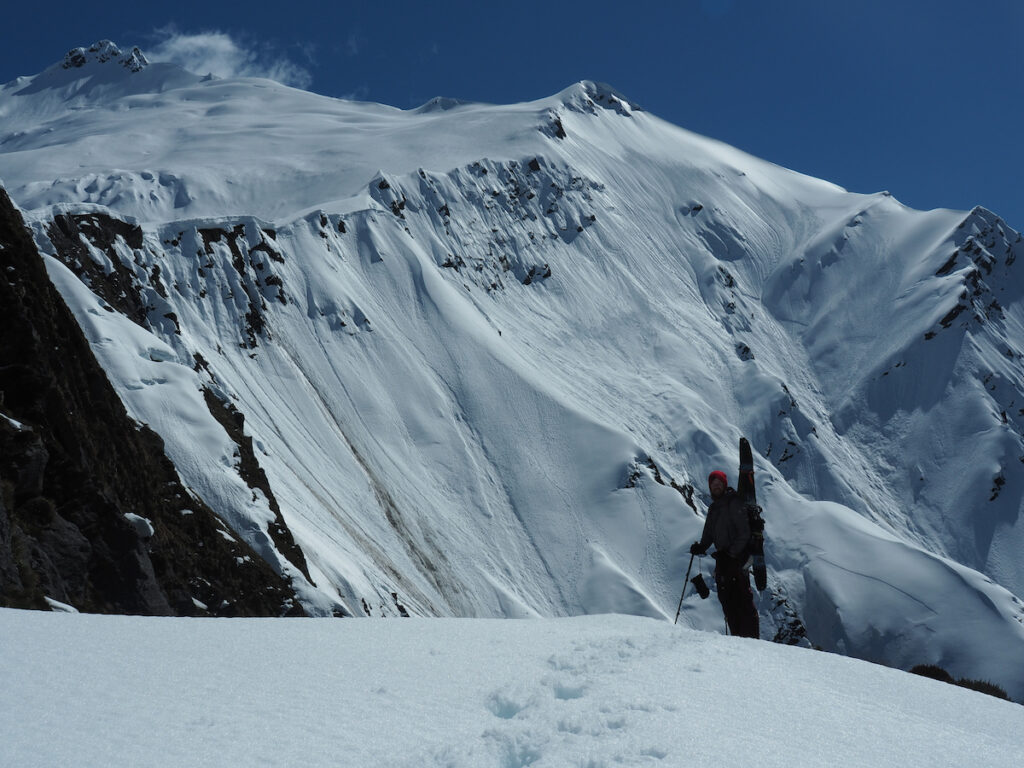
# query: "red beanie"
720, 475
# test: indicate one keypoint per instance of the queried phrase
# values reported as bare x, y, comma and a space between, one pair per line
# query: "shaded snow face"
487, 355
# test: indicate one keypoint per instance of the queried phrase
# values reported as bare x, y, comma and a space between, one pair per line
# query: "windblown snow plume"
222, 55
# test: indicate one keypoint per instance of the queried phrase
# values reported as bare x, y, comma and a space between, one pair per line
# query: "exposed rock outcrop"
92, 513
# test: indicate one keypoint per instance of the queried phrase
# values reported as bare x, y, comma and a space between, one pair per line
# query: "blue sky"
924, 98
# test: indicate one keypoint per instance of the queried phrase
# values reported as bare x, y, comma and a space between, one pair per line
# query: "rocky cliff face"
92, 513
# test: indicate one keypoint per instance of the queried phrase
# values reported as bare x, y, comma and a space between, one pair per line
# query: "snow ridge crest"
587, 96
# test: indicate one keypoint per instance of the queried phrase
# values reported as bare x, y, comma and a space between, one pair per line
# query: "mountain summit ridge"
102, 52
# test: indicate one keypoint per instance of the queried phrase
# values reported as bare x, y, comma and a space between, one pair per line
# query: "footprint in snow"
567, 691
507, 704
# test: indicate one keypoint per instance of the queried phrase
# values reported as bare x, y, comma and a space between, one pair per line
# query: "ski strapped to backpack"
748, 494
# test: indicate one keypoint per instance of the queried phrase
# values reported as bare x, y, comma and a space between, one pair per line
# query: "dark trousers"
737, 600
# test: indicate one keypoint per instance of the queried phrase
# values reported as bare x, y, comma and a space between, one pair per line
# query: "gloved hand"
697, 549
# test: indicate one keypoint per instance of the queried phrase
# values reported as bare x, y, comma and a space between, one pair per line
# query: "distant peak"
982, 220
104, 71
440, 104
104, 52
605, 92
587, 95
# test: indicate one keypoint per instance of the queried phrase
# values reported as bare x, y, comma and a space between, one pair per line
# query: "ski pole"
685, 582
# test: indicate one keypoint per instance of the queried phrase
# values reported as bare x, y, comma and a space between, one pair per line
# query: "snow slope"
592, 691
488, 354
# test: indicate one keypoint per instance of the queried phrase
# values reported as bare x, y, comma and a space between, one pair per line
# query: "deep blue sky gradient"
924, 98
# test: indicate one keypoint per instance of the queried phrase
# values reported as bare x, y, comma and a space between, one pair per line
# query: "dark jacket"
727, 526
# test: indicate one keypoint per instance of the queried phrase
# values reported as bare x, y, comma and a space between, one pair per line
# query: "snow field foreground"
90, 690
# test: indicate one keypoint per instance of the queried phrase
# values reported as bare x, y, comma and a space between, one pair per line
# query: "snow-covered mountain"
486, 355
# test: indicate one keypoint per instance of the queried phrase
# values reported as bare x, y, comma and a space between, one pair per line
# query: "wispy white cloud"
223, 55
359, 94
